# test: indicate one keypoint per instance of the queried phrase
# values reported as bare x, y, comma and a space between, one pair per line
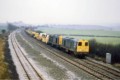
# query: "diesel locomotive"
78, 47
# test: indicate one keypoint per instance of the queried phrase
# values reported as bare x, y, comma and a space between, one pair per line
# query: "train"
78, 47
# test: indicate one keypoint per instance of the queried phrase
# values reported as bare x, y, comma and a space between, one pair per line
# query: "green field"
106, 40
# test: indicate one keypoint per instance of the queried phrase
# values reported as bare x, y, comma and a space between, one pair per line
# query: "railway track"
108, 69
101, 68
98, 70
28, 69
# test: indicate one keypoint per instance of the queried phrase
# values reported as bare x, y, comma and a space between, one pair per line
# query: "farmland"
105, 40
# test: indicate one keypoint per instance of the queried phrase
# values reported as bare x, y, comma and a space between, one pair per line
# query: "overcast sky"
60, 11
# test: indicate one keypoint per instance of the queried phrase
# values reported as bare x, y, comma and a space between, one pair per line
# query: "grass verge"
7, 67
4, 71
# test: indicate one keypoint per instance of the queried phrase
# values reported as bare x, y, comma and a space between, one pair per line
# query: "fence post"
108, 58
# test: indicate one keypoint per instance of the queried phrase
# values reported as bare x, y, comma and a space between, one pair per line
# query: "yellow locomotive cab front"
83, 47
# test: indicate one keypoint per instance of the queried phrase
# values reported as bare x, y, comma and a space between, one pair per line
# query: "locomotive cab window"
80, 44
86, 43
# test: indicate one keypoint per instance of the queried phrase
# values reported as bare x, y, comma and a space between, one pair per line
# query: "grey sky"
61, 11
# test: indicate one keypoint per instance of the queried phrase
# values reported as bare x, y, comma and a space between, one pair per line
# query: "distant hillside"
21, 24
115, 27
82, 27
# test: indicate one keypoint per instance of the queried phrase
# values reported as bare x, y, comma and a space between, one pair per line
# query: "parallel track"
103, 67
30, 71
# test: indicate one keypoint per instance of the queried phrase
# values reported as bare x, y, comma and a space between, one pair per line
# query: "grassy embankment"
7, 67
4, 73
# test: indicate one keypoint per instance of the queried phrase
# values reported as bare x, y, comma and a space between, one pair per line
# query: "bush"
101, 49
39, 31
3, 31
